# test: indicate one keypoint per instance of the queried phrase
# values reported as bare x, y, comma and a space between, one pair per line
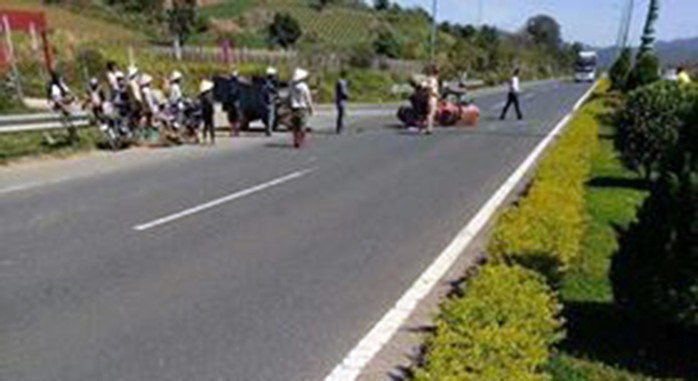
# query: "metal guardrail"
39, 122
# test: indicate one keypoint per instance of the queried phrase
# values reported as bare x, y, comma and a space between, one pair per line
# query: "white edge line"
17, 188
219, 201
356, 360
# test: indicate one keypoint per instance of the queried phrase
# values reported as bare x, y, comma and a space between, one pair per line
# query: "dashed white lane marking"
529, 95
356, 360
219, 201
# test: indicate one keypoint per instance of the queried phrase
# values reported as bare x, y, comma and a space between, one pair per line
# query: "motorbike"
115, 125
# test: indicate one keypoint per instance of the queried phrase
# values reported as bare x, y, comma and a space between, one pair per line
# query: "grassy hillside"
79, 26
337, 25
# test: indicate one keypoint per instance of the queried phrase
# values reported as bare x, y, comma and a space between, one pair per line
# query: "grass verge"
14, 146
600, 345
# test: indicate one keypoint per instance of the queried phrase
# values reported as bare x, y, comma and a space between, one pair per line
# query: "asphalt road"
265, 263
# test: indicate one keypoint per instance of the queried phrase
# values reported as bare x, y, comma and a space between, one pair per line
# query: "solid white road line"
17, 188
222, 200
30, 185
356, 360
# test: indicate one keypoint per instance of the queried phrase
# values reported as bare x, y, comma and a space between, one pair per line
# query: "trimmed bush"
544, 230
655, 272
501, 329
621, 70
649, 125
645, 72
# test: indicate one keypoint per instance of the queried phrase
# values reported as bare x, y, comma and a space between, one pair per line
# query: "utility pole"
480, 10
625, 23
434, 30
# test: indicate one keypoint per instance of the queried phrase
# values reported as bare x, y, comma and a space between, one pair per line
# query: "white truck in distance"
585, 67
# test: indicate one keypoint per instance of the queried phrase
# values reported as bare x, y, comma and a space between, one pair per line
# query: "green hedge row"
501, 329
507, 320
544, 230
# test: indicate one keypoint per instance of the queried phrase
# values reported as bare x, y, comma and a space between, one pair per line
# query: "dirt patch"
225, 26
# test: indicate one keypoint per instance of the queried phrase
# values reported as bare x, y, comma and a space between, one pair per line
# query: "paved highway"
263, 263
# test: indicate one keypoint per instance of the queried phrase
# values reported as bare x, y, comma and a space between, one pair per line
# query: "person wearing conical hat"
151, 105
176, 94
207, 110
301, 104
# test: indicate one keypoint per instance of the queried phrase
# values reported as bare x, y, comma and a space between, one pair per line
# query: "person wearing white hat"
134, 92
176, 93
269, 96
150, 102
207, 111
301, 105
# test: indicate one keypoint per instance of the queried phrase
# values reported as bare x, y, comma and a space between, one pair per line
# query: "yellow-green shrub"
544, 230
502, 328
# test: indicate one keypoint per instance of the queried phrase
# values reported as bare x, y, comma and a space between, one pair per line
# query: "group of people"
425, 100
133, 97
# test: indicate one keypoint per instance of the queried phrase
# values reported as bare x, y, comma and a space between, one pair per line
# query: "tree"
545, 31
649, 126
181, 19
381, 5
655, 272
649, 31
320, 5
386, 44
138, 6
645, 72
621, 70
284, 30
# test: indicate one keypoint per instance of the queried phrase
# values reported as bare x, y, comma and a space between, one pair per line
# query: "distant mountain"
672, 53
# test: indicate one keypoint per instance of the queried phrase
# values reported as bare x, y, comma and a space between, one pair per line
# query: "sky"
593, 22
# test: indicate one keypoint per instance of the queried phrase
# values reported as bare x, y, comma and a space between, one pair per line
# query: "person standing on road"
513, 96
232, 104
432, 88
176, 95
207, 111
150, 102
341, 96
269, 96
122, 98
134, 95
301, 105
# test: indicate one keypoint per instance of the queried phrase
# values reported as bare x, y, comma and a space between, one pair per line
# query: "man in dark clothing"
269, 96
207, 111
232, 104
513, 96
341, 91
